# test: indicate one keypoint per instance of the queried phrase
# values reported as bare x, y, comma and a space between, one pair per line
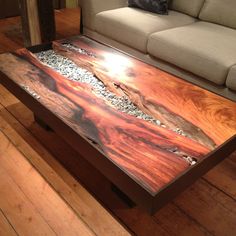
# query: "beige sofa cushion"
205, 49
190, 7
231, 78
221, 12
91, 7
132, 26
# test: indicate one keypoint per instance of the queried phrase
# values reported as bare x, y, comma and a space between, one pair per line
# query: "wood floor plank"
67, 24
79, 199
6, 98
5, 227
19, 211
51, 207
224, 176
10, 34
176, 222
6, 43
209, 207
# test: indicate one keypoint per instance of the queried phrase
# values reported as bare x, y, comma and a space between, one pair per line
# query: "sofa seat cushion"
132, 26
205, 49
231, 78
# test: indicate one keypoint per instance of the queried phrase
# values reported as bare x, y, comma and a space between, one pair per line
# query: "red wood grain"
213, 114
104, 70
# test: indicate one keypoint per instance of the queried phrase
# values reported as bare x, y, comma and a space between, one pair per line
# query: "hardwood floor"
38, 195
67, 24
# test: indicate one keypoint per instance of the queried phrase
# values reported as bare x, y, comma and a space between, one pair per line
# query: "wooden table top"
142, 158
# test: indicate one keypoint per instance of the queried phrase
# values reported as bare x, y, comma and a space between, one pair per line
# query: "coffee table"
150, 133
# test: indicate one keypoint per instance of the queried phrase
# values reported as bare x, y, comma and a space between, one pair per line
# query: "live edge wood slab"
145, 161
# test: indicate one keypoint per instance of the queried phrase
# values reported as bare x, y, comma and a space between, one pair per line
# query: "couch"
195, 41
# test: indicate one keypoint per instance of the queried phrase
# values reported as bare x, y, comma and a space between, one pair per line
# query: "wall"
71, 3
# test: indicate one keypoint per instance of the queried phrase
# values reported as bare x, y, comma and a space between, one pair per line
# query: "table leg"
47, 20
30, 22
38, 22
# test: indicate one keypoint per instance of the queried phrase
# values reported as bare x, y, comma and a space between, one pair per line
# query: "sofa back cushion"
189, 7
221, 12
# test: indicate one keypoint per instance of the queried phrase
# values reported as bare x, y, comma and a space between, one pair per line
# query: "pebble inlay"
71, 71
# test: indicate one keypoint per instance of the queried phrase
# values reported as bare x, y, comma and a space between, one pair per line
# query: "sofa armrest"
91, 7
